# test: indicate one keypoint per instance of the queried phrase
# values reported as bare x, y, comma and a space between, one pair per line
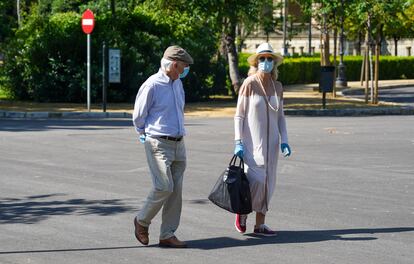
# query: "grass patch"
3, 94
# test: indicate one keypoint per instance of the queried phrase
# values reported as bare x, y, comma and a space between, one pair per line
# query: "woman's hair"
254, 69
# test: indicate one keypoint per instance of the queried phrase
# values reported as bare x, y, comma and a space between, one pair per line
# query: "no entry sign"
88, 21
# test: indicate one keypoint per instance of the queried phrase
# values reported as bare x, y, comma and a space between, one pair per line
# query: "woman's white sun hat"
265, 48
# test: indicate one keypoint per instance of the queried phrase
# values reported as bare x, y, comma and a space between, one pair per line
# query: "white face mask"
185, 72
266, 66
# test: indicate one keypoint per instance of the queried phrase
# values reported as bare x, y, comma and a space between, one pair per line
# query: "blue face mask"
185, 72
266, 66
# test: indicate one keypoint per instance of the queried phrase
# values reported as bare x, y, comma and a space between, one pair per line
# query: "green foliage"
197, 36
46, 61
7, 21
307, 70
379, 18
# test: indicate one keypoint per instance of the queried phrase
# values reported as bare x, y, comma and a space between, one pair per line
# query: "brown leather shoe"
172, 242
141, 233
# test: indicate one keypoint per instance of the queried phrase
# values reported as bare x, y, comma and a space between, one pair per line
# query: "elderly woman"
260, 128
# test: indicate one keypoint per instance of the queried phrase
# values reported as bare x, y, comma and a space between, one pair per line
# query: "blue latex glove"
238, 150
142, 138
285, 149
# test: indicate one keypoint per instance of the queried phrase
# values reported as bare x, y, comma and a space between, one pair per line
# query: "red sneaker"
264, 230
240, 223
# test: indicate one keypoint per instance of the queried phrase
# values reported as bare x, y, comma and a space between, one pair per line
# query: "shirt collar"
163, 76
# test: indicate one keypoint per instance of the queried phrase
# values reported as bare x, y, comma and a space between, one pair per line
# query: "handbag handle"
234, 159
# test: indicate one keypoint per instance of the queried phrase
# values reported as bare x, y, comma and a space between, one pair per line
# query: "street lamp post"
285, 48
341, 79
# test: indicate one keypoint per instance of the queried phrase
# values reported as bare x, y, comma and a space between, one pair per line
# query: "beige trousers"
167, 162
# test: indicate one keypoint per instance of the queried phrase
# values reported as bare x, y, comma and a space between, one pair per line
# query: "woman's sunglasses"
262, 59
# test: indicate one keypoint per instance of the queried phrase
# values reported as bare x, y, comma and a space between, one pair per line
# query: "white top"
261, 130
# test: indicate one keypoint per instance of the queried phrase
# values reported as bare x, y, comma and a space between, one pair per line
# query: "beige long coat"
260, 128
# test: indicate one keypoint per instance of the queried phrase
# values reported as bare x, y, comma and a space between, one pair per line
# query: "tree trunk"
358, 48
363, 70
395, 46
113, 8
335, 45
233, 59
335, 62
366, 66
310, 36
18, 12
325, 43
377, 54
240, 38
285, 6
371, 72
223, 45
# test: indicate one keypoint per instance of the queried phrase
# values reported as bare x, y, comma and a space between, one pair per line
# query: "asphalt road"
403, 95
69, 191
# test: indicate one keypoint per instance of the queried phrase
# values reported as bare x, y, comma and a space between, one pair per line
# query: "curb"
397, 110
351, 89
403, 110
361, 90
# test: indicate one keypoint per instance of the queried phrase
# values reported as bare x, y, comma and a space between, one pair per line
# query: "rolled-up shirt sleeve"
142, 105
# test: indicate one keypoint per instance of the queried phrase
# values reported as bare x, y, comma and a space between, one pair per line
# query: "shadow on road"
65, 250
251, 240
38, 125
22, 125
32, 209
285, 237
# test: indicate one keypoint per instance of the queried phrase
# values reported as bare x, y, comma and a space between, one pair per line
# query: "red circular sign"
88, 21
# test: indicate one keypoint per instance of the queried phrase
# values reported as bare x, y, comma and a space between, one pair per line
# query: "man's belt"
171, 138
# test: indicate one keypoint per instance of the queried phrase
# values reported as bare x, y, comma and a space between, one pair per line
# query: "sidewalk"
352, 85
300, 99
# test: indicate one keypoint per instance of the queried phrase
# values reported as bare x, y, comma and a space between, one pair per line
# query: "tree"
375, 15
48, 51
323, 11
306, 7
230, 14
226, 17
399, 24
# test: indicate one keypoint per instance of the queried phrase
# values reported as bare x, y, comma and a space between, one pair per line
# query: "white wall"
277, 44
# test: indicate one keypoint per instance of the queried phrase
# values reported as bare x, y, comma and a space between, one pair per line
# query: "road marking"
87, 22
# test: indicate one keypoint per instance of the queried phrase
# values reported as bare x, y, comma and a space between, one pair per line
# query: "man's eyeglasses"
262, 59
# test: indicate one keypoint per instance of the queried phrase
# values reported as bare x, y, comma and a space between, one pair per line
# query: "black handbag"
231, 191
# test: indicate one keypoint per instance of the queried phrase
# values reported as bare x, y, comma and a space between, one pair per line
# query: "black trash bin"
327, 78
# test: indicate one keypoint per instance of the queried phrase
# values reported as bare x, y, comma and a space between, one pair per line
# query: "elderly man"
159, 120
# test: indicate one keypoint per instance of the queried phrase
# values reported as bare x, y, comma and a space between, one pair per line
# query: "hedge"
307, 70
46, 59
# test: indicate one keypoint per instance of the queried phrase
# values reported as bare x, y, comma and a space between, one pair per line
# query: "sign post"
114, 65
104, 78
88, 23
